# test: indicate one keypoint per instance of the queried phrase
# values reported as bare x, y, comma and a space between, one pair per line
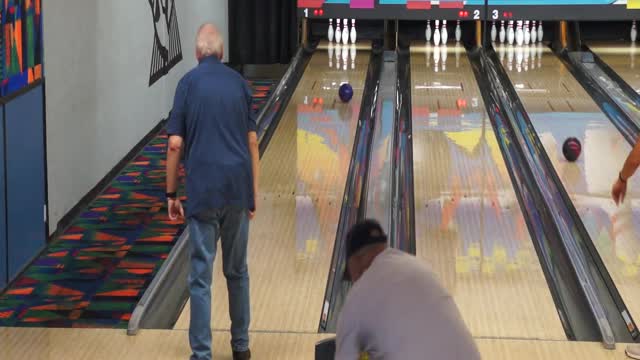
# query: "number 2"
306, 13
476, 14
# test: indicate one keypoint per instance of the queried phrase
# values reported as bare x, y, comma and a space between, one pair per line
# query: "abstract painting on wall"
20, 44
167, 53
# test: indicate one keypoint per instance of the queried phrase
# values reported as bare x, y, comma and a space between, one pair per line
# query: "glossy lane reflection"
562, 109
469, 226
623, 58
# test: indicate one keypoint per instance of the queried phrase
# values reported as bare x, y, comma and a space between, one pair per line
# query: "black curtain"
262, 31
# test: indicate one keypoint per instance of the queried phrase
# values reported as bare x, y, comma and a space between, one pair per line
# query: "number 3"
476, 14
496, 14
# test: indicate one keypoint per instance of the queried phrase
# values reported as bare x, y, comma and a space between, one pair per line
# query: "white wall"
97, 56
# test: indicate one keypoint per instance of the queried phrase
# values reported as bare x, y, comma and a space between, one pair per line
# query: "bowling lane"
469, 226
559, 108
303, 174
622, 58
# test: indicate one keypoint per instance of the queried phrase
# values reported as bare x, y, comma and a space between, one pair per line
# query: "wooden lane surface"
469, 226
560, 108
623, 58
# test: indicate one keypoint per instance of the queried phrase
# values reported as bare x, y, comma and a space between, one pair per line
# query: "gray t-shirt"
399, 310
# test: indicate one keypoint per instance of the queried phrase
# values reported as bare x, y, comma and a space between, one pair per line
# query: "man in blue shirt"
212, 123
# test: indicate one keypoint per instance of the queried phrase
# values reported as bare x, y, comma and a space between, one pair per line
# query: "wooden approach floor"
81, 344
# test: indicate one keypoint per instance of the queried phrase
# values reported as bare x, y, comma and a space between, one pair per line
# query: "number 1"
306, 13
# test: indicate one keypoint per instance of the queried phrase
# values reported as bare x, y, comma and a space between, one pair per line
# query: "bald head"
209, 42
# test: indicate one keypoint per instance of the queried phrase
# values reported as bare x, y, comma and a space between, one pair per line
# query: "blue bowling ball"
346, 92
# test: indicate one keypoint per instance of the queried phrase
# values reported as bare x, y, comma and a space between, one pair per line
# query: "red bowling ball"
571, 149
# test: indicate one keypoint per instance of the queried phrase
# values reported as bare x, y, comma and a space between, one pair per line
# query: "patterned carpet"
94, 274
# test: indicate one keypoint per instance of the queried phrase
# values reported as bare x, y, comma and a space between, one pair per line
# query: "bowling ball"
571, 149
345, 92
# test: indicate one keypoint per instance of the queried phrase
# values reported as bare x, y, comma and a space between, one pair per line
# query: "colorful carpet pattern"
94, 274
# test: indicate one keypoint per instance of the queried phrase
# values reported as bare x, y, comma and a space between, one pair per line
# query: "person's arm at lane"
254, 150
630, 166
176, 131
174, 204
255, 167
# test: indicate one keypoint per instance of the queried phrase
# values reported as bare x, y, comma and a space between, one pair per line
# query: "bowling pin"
436, 34
443, 55
533, 54
330, 33
345, 58
510, 53
353, 35
534, 32
511, 35
428, 32
634, 31
338, 32
436, 58
527, 33
330, 53
503, 33
345, 32
539, 54
458, 32
540, 32
444, 34
494, 31
519, 33
353, 54
519, 58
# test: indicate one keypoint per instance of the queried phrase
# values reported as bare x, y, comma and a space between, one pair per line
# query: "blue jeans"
232, 226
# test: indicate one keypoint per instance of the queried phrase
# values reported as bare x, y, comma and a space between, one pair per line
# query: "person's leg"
203, 235
235, 236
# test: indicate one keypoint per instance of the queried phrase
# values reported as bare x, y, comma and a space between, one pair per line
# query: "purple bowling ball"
345, 93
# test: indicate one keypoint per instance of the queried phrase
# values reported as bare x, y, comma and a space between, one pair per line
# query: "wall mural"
20, 44
165, 55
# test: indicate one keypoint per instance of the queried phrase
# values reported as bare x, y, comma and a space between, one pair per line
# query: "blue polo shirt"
212, 113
